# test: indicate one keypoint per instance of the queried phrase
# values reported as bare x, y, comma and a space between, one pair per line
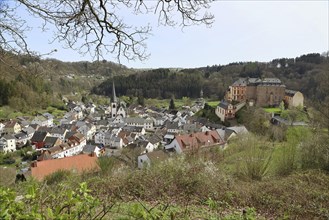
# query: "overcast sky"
242, 31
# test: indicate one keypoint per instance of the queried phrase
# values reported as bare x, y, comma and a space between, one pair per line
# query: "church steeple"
114, 97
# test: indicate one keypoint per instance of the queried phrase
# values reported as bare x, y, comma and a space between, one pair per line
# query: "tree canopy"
95, 26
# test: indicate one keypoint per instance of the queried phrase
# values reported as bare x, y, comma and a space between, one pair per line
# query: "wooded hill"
307, 73
30, 82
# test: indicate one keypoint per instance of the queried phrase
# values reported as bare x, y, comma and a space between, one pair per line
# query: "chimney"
34, 164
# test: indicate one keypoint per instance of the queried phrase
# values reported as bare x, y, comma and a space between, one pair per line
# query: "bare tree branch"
95, 27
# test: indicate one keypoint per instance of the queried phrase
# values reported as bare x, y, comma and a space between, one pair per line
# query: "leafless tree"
94, 26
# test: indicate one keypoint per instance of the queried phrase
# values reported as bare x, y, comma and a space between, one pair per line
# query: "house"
23, 122
90, 108
21, 139
78, 139
88, 130
12, 127
50, 119
2, 126
159, 121
58, 132
89, 149
294, 98
41, 121
146, 145
78, 112
194, 141
168, 138
38, 139
99, 137
73, 146
29, 131
155, 140
147, 124
8, 143
149, 158
134, 129
77, 164
116, 142
225, 111
172, 127
227, 133
52, 141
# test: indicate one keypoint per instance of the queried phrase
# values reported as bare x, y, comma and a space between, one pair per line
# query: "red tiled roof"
198, 140
78, 163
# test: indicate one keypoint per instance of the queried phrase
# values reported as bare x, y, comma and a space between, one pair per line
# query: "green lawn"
213, 103
272, 110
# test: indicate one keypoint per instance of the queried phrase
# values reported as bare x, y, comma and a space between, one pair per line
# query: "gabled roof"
223, 104
10, 124
39, 136
157, 155
89, 148
48, 115
198, 140
20, 135
9, 137
271, 80
79, 163
290, 92
50, 141
58, 130
138, 120
40, 118
240, 82
29, 130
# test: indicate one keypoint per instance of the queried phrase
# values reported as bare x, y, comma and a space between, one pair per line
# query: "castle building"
262, 92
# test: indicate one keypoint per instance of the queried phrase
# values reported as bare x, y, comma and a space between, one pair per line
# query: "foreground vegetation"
254, 178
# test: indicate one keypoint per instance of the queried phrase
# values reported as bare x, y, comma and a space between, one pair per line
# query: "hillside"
306, 73
28, 83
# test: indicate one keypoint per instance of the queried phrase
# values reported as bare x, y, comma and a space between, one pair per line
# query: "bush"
255, 161
314, 153
58, 177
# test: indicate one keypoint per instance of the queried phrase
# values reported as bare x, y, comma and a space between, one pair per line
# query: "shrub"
58, 177
314, 153
255, 161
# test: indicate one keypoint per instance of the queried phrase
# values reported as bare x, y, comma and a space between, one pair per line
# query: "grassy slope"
210, 184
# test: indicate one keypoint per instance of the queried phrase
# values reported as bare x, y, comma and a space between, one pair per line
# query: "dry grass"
7, 176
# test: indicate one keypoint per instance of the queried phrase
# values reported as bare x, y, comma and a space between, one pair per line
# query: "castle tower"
114, 103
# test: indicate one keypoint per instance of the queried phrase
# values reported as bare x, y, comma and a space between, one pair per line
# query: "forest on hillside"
28, 83
307, 73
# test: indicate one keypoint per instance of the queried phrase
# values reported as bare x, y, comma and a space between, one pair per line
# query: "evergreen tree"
172, 104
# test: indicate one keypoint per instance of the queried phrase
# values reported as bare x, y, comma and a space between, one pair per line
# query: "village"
87, 131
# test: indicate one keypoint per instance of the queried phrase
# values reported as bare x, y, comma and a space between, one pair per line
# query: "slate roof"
240, 82
50, 141
290, 92
89, 148
39, 136
223, 104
